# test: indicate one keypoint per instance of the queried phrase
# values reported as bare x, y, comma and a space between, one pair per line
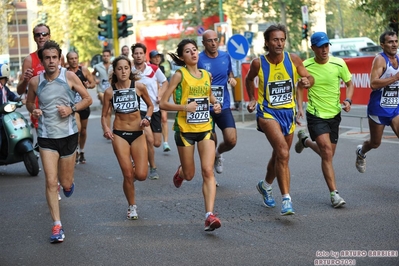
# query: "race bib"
390, 97
105, 84
201, 114
280, 92
78, 98
218, 92
125, 101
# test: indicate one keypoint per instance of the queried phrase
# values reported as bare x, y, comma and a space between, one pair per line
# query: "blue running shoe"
69, 192
286, 208
268, 199
57, 234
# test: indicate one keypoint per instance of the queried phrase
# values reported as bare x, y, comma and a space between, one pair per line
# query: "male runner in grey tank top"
57, 132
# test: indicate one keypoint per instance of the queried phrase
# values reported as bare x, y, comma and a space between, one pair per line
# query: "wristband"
148, 118
348, 100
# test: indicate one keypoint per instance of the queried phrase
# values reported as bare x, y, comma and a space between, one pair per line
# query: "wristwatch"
148, 118
73, 107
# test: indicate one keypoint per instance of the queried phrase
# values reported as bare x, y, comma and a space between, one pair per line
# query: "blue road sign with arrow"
237, 47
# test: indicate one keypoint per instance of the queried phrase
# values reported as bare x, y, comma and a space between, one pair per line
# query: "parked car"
346, 53
371, 50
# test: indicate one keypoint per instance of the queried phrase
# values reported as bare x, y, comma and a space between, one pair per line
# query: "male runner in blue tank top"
275, 109
383, 106
218, 63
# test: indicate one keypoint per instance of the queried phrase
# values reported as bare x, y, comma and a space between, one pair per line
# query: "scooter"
17, 139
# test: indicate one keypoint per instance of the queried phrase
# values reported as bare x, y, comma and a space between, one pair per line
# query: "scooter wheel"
31, 163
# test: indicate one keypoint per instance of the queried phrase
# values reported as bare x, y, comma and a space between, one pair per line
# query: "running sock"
217, 153
287, 196
266, 185
57, 223
207, 214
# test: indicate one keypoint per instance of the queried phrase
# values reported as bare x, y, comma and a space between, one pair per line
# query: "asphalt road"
171, 221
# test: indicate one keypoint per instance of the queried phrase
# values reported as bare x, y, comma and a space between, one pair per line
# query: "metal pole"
115, 28
238, 64
221, 10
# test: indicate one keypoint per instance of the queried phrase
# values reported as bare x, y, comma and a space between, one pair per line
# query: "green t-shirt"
324, 95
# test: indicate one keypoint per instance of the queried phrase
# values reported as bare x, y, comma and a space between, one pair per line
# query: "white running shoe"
360, 160
132, 212
336, 200
219, 164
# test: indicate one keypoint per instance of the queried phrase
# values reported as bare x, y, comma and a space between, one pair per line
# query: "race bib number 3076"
201, 114
280, 92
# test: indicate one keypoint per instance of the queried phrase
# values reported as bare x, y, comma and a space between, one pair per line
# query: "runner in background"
82, 116
218, 63
156, 59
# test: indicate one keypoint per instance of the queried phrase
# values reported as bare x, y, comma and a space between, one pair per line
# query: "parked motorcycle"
17, 139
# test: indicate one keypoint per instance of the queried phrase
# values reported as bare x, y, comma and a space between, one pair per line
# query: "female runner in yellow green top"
191, 88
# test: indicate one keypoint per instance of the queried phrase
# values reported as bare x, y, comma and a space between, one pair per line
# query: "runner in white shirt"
151, 77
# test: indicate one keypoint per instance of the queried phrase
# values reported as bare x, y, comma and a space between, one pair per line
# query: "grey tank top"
52, 94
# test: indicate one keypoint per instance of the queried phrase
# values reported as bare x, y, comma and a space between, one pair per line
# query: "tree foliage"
74, 23
345, 19
287, 12
387, 9
6, 13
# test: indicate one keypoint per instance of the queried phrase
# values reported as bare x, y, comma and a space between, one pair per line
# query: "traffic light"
393, 24
124, 25
106, 26
305, 30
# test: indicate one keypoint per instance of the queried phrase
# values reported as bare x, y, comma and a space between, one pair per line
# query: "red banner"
360, 68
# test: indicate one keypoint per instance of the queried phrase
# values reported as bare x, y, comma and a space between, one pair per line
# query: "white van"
350, 43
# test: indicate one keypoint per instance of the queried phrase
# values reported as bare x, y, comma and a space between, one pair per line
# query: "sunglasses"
43, 34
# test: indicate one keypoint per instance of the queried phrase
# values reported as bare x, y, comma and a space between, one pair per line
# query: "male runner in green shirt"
323, 113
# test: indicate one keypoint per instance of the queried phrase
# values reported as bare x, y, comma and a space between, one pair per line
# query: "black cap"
154, 53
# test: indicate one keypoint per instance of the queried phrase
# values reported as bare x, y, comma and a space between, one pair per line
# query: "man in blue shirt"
218, 63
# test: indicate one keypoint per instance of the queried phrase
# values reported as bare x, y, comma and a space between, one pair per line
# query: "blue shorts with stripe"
285, 117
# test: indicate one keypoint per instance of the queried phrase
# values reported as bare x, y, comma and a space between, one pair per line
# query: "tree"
286, 11
341, 22
74, 23
193, 13
6, 13
386, 8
